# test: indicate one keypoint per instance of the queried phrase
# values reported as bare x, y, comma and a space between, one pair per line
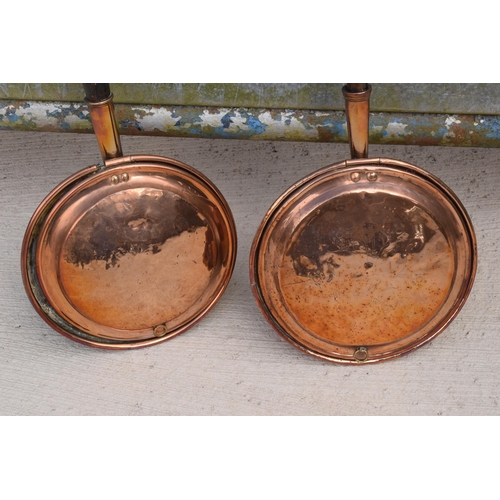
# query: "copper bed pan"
129, 253
366, 259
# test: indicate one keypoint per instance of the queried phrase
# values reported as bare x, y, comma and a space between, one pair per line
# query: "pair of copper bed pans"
361, 261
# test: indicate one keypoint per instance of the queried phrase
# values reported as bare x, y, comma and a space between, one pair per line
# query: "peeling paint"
256, 124
395, 129
211, 119
156, 121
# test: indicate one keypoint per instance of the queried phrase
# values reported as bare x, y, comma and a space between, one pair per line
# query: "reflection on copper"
131, 253
129, 222
105, 128
378, 225
357, 106
371, 276
117, 244
117, 259
366, 259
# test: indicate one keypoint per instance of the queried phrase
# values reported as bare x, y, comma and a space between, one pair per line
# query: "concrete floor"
232, 362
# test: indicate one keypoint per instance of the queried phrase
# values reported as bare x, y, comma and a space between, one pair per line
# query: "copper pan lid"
363, 260
131, 253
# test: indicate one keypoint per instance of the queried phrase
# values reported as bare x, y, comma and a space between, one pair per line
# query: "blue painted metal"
257, 124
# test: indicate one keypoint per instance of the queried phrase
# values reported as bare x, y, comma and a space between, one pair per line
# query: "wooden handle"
97, 92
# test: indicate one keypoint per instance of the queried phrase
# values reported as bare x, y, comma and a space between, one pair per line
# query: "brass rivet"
355, 176
160, 330
114, 179
124, 177
371, 176
361, 354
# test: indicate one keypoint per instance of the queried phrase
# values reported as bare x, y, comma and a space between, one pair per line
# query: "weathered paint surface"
260, 124
442, 98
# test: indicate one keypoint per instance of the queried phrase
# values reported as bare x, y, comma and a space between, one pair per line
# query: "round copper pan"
130, 253
363, 260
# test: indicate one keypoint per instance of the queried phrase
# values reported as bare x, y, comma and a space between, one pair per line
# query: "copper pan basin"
363, 261
129, 254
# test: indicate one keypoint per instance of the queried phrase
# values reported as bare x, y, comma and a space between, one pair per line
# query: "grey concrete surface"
232, 362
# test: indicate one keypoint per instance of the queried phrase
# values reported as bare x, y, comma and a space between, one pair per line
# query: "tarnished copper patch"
130, 254
366, 269
363, 263
134, 247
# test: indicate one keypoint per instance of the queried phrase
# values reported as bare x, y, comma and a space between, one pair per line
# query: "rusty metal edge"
256, 124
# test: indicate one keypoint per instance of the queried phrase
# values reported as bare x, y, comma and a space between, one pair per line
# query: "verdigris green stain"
442, 98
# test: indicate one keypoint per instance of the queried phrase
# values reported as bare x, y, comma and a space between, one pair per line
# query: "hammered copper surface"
135, 247
366, 259
366, 269
130, 253
378, 256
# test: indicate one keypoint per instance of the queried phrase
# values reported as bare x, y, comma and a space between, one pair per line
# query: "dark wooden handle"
356, 87
97, 92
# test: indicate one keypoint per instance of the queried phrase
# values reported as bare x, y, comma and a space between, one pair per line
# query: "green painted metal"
256, 123
442, 98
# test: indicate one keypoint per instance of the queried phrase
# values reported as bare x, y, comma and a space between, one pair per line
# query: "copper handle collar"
105, 128
357, 105
99, 100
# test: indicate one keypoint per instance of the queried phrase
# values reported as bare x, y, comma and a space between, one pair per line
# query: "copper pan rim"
39, 240
272, 263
